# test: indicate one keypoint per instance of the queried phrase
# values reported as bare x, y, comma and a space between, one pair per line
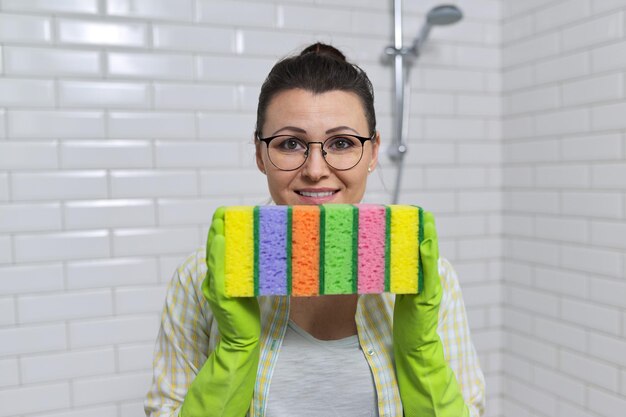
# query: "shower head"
446, 14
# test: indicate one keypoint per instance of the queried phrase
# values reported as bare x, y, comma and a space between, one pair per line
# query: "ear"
375, 148
259, 155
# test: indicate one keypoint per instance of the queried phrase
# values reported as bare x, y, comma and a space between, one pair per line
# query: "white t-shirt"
321, 378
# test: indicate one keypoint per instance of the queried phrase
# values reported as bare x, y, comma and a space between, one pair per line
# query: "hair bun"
325, 50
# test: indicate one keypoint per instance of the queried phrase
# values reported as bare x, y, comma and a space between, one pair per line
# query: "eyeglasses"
341, 152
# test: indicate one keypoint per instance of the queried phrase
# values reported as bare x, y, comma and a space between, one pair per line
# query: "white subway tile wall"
34, 398
43, 6
564, 133
53, 62
58, 185
82, 32
29, 93
27, 29
103, 94
29, 155
55, 124
80, 363
125, 123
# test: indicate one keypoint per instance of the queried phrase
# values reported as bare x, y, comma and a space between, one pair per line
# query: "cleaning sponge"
305, 253
326, 249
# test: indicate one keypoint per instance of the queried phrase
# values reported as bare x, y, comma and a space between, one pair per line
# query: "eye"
289, 144
341, 143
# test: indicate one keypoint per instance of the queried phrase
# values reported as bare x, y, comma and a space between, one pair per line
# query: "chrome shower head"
444, 15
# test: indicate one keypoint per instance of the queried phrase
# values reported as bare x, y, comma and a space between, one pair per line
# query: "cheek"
278, 180
278, 183
355, 178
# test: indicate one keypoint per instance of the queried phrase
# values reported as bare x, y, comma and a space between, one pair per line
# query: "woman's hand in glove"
225, 384
428, 386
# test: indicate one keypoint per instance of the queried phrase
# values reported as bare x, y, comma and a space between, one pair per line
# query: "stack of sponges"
326, 249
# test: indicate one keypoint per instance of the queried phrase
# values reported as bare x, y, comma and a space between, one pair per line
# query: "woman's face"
314, 118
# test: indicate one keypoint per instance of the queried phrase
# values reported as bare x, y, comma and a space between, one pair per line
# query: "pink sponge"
372, 240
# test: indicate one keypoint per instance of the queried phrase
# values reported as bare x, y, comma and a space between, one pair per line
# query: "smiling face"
314, 118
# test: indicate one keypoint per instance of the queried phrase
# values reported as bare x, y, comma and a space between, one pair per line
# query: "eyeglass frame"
361, 139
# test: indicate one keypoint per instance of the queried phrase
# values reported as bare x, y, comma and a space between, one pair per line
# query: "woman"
343, 355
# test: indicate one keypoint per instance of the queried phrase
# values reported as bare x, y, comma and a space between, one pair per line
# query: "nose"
315, 166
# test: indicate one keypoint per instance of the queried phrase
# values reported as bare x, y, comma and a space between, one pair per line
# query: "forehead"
311, 111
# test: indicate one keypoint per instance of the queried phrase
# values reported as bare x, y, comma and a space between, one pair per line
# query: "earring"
369, 169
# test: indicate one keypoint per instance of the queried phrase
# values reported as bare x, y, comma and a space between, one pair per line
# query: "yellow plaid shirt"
188, 334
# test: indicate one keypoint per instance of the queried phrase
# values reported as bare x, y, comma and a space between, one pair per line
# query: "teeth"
318, 195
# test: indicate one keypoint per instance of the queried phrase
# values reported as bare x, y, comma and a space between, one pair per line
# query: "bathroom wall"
564, 208
124, 123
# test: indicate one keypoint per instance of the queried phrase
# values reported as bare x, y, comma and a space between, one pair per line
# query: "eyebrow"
292, 128
340, 128
299, 130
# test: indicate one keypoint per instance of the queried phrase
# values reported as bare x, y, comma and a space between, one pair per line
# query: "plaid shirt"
188, 334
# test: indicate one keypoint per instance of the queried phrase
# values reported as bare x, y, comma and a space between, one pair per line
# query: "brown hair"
319, 68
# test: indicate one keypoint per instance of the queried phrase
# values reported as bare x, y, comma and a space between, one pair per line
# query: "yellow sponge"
239, 251
404, 249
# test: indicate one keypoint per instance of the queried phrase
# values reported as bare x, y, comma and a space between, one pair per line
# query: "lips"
316, 196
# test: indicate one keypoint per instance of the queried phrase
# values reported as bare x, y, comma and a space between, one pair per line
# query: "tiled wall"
124, 123
565, 208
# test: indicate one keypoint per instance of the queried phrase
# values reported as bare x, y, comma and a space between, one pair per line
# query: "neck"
325, 318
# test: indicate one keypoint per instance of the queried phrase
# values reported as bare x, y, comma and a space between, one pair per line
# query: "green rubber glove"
428, 386
225, 384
